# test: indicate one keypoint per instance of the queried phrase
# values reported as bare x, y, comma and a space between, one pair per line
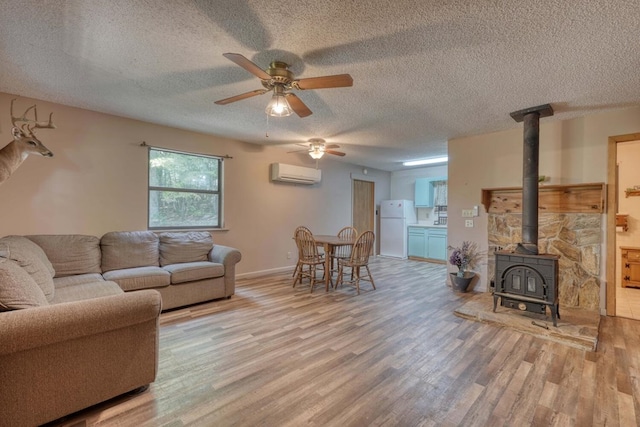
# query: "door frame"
612, 207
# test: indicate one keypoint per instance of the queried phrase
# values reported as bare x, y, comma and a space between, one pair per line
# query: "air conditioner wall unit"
295, 174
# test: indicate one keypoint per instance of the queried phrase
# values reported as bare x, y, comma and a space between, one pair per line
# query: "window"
185, 190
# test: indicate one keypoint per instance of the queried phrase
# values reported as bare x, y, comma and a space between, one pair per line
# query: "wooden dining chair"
295, 234
359, 258
308, 257
343, 252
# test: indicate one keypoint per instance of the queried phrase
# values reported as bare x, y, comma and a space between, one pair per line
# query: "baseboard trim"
253, 274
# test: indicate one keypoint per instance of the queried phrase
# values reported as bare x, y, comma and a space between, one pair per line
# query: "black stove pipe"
531, 162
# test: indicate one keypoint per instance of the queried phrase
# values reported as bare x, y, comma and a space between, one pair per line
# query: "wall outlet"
467, 213
468, 223
288, 255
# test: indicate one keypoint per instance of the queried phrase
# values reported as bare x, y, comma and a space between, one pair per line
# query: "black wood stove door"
524, 280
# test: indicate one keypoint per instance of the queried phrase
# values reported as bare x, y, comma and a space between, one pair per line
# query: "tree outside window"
185, 190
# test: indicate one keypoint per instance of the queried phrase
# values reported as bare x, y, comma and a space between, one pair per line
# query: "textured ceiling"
424, 71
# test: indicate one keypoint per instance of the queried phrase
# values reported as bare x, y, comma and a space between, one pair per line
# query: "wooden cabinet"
630, 267
424, 191
427, 243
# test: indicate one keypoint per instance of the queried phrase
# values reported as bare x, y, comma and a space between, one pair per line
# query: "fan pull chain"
266, 135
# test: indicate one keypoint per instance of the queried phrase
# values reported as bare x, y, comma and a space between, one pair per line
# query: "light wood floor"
628, 302
397, 356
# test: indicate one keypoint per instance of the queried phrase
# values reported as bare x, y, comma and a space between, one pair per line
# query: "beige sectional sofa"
73, 334
185, 267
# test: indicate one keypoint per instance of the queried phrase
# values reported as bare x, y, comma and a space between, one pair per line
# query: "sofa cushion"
190, 271
32, 258
70, 253
84, 291
187, 246
133, 279
17, 288
78, 279
129, 249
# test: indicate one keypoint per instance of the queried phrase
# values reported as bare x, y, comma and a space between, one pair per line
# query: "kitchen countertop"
426, 225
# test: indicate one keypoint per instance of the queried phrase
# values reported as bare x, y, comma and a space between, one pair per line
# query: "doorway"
364, 206
616, 296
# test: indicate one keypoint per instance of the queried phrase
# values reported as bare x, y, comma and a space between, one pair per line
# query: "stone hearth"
577, 327
575, 237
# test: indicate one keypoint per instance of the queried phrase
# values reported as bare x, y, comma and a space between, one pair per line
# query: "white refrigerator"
395, 215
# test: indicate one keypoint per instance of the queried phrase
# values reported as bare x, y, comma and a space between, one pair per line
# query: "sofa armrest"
41, 326
228, 257
62, 358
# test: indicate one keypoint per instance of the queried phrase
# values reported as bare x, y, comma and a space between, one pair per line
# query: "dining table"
329, 243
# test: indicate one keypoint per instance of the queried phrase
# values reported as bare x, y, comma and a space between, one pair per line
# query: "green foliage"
184, 190
174, 170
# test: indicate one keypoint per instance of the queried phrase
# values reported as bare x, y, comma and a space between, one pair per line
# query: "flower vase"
462, 269
461, 283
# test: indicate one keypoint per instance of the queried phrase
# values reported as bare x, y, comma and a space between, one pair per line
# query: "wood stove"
526, 280
527, 283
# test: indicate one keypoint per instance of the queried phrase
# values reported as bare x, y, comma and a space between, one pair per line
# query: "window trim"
219, 192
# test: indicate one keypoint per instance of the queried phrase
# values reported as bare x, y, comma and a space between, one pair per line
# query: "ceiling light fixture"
316, 151
278, 106
430, 161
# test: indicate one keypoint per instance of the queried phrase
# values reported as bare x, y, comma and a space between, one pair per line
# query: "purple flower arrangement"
464, 256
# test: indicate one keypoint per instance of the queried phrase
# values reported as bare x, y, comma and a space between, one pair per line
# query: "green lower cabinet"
417, 242
437, 246
428, 243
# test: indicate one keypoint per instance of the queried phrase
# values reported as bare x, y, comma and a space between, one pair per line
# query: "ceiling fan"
279, 79
317, 147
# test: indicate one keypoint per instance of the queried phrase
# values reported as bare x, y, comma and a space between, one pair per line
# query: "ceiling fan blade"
241, 96
335, 153
247, 65
338, 80
298, 151
329, 146
298, 106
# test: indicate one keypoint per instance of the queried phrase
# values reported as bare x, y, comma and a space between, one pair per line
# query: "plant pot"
461, 284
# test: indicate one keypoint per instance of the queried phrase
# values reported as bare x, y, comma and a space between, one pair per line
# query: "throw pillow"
31, 257
70, 254
129, 249
17, 289
187, 246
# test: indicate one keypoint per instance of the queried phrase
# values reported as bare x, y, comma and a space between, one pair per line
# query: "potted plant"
464, 257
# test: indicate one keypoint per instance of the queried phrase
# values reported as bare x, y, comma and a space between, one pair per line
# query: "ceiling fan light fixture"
278, 106
316, 152
431, 161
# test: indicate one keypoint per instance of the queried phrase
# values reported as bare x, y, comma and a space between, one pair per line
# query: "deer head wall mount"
24, 141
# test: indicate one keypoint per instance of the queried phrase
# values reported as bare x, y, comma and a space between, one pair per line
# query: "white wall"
571, 151
97, 182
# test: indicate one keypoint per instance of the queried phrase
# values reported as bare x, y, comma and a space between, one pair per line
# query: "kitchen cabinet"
424, 191
437, 244
417, 242
427, 243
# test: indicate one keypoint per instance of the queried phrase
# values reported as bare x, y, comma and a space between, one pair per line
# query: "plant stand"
461, 284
